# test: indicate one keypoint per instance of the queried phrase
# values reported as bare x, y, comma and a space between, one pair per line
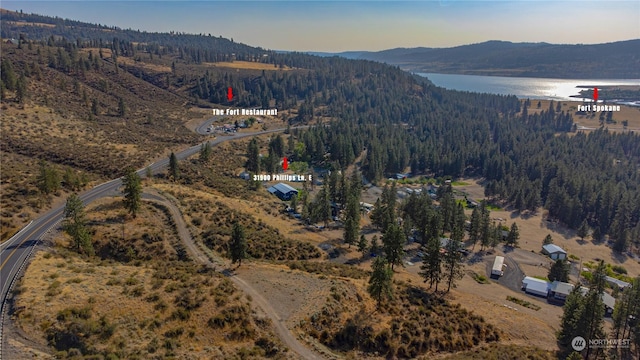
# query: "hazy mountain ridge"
600, 61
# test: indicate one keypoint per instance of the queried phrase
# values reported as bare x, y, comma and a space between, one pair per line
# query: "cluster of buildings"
556, 292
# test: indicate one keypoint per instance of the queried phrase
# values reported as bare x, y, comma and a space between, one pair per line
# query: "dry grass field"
56, 123
139, 301
266, 212
250, 65
16, 23
106, 53
534, 227
21, 200
630, 113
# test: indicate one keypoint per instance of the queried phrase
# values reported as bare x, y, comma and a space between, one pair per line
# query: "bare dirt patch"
293, 294
472, 187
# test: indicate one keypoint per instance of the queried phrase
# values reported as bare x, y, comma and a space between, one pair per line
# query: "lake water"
522, 87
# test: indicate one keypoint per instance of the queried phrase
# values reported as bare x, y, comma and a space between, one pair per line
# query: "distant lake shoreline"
523, 87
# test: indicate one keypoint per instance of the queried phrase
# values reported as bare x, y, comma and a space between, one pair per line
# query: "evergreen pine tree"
626, 313
583, 230
452, 263
380, 285
559, 271
622, 242
591, 320
132, 191
7, 75
457, 232
375, 245
431, 268
574, 356
363, 245
393, 244
121, 107
352, 219
48, 180
94, 107
323, 206
74, 224
205, 152
475, 227
573, 307
253, 157
21, 89
513, 236
174, 171
238, 244
293, 203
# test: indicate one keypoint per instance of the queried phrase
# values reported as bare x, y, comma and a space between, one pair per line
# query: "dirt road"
258, 300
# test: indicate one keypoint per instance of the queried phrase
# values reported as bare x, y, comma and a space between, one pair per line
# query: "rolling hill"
501, 58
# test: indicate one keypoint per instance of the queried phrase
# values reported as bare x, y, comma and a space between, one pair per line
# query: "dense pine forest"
396, 120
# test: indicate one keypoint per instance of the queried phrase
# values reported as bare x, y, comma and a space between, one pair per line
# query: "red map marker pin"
229, 94
595, 94
285, 164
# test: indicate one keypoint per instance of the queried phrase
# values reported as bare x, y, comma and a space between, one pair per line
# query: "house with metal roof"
283, 191
608, 300
616, 282
560, 290
534, 286
554, 251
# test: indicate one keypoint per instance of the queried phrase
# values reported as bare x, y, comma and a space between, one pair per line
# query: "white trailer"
534, 286
498, 264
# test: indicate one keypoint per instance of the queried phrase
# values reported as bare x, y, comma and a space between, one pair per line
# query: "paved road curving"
283, 332
15, 251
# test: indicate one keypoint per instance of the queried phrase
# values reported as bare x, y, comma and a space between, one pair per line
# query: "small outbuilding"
554, 251
283, 191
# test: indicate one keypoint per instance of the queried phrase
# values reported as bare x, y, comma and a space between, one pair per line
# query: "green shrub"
523, 303
113, 281
619, 269
174, 333
480, 279
54, 289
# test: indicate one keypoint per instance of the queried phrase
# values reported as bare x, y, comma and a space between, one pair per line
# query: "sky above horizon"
334, 26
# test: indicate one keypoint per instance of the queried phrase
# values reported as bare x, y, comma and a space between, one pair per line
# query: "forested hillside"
401, 121
617, 60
